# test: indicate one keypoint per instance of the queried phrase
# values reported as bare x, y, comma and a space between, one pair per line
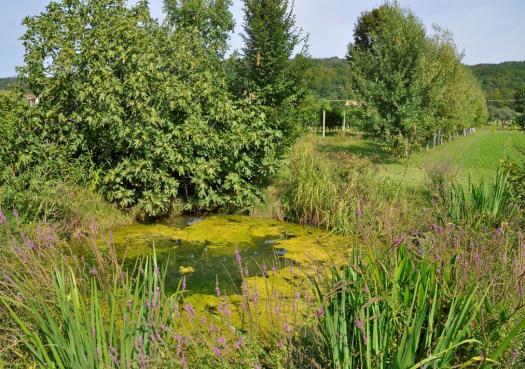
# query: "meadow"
476, 156
165, 204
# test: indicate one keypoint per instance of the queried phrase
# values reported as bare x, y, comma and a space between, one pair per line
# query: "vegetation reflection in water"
203, 249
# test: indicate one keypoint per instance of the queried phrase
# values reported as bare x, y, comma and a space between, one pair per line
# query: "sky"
488, 31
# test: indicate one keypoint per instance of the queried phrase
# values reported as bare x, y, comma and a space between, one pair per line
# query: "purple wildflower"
359, 324
183, 284
238, 257
217, 288
221, 341
217, 351
7, 278
320, 312
188, 308
239, 343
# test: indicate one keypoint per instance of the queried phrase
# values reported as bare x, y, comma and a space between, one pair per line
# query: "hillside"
327, 77
501, 81
4, 82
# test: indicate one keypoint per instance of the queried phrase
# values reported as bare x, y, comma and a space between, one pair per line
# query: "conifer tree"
271, 37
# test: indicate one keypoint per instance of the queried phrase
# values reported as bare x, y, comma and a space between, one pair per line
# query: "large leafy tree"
388, 75
144, 107
412, 87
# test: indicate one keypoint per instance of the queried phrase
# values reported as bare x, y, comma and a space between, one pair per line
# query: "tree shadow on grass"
369, 149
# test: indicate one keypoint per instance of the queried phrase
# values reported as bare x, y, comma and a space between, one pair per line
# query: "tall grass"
407, 318
117, 328
338, 192
482, 203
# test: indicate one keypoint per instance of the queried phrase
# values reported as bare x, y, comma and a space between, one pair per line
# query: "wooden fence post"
344, 121
324, 122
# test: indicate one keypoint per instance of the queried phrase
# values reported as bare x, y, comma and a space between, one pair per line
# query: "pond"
203, 249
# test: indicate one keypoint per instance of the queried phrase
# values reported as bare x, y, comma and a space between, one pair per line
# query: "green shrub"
516, 179
146, 107
73, 210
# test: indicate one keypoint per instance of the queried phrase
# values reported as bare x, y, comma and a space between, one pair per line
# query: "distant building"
32, 99
354, 103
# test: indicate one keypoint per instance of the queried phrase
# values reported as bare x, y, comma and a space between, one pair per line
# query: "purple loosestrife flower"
217, 351
398, 242
359, 323
239, 343
287, 328
7, 278
255, 297
3, 219
29, 243
221, 341
183, 284
113, 354
188, 308
238, 258
217, 288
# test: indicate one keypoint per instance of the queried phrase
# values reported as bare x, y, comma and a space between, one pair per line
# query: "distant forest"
5, 82
326, 78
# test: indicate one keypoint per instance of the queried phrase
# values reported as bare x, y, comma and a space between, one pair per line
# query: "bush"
516, 179
73, 211
146, 109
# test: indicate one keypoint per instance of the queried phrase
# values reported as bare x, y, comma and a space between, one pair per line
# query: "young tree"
388, 75
271, 38
412, 87
270, 74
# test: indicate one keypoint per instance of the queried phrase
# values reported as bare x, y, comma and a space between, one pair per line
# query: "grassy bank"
476, 156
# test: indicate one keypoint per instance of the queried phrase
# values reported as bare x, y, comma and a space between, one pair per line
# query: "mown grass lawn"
476, 156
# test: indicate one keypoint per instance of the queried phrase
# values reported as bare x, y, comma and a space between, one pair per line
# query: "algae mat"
204, 249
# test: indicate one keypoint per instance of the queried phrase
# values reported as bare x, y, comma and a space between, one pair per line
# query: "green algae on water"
203, 249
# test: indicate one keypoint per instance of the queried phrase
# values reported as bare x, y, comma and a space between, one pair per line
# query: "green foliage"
145, 107
411, 86
105, 329
407, 318
327, 78
484, 204
212, 20
268, 71
270, 39
516, 180
501, 81
12, 107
